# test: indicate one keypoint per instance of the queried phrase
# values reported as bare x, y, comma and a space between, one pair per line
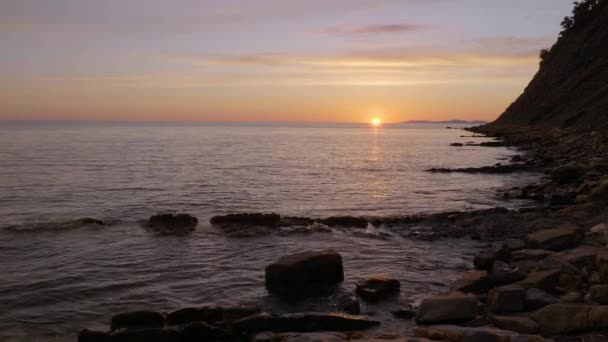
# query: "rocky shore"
543, 277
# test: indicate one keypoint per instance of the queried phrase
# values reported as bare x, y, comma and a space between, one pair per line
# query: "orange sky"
336, 61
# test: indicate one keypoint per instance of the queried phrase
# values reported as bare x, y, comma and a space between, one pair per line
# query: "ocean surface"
58, 278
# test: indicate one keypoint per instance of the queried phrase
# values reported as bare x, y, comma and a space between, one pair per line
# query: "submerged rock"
345, 221
247, 219
305, 274
377, 288
137, 320
172, 224
348, 303
304, 322
453, 307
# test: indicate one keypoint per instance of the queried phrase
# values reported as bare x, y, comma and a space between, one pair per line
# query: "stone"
565, 174
304, 322
536, 299
301, 337
530, 254
563, 318
404, 313
247, 219
508, 298
172, 224
455, 333
600, 194
190, 315
599, 294
504, 274
348, 303
305, 274
515, 244
544, 280
519, 324
601, 261
201, 331
572, 297
485, 260
234, 313
147, 335
559, 198
377, 288
453, 307
580, 257
555, 239
137, 320
472, 282
87, 335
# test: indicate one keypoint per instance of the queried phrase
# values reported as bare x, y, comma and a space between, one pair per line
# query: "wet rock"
201, 331
234, 313
503, 274
87, 335
345, 221
581, 257
305, 274
138, 320
514, 244
408, 313
455, 333
530, 254
600, 194
559, 198
147, 335
565, 174
305, 322
537, 298
572, 297
172, 224
457, 144
495, 169
565, 318
508, 298
247, 219
556, 239
453, 307
601, 262
519, 324
300, 337
485, 259
348, 303
544, 280
598, 294
472, 282
190, 315
377, 288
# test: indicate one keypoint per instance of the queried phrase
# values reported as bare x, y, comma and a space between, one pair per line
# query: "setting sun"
376, 122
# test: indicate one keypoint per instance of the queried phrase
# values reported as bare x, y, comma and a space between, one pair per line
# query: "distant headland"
474, 122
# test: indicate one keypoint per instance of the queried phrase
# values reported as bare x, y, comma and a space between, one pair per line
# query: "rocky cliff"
570, 89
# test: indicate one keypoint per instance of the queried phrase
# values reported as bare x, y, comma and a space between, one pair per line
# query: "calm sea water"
58, 280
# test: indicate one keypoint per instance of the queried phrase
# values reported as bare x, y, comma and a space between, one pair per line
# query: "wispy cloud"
345, 30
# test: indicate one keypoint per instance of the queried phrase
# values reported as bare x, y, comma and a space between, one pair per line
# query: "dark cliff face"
571, 88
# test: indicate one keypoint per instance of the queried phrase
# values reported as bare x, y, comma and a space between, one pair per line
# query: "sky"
269, 60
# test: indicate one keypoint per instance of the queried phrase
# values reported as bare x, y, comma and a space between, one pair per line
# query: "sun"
376, 122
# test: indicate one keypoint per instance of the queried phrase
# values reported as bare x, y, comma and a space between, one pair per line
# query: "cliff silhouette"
570, 90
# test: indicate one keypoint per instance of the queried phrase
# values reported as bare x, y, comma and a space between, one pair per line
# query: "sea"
58, 278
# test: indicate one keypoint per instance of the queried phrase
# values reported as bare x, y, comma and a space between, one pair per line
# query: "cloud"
344, 30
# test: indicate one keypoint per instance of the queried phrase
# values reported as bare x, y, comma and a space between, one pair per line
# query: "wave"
84, 222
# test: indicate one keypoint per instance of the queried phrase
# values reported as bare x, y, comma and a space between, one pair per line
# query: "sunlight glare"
376, 122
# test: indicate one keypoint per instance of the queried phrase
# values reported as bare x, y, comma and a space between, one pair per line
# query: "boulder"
455, 333
560, 198
572, 297
201, 331
564, 318
137, 320
172, 224
147, 335
408, 313
601, 261
190, 315
600, 194
544, 280
508, 298
87, 335
536, 299
247, 219
453, 307
305, 274
530, 254
301, 337
485, 260
556, 239
520, 324
580, 257
504, 274
377, 288
234, 313
598, 294
348, 303
472, 282
565, 174
304, 322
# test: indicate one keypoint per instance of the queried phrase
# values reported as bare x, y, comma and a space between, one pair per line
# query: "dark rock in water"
190, 315
201, 331
492, 144
138, 320
456, 144
304, 322
509, 298
348, 303
404, 313
485, 260
557, 198
89, 221
172, 224
495, 169
247, 219
235, 313
516, 159
305, 274
147, 335
453, 307
87, 335
377, 288
345, 221
567, 174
